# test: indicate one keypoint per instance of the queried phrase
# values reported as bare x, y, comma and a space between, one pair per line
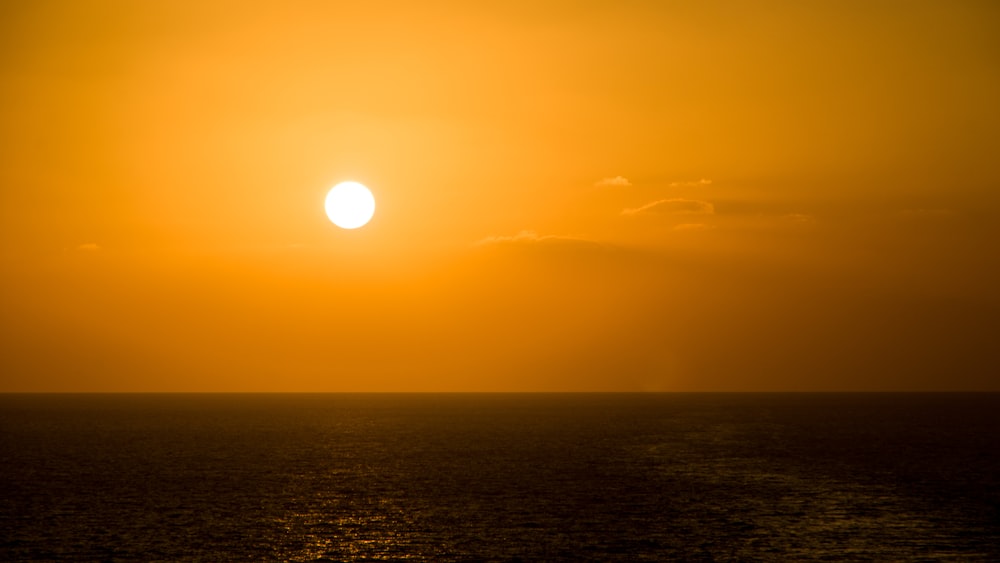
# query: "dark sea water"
647, 477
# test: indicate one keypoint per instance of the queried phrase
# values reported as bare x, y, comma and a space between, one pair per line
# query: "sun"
350, 205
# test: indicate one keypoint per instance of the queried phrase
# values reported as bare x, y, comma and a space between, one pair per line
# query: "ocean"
500, 477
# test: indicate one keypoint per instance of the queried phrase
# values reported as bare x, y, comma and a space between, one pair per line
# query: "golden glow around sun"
350, 205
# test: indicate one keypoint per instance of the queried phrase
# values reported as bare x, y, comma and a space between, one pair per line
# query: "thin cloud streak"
924, 213
673, 206
691, 184
693, 227
617, 181
531, 237
800, 218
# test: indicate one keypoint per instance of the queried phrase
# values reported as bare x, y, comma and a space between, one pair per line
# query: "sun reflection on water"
376, 531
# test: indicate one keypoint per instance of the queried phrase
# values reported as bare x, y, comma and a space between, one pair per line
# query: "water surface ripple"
454, 477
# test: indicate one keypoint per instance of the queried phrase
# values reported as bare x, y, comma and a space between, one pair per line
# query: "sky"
677, 195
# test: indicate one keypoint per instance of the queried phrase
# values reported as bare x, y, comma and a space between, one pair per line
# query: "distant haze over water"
500, 477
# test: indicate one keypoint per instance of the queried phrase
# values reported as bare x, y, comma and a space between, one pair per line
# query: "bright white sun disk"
350, 205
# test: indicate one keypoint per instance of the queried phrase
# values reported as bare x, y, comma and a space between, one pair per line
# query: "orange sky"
572, 196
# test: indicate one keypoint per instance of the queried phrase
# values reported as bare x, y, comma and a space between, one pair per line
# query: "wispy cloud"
531, 237
693, 227
927, 213
673, 206
89, 247
691, 183
616, 181
800, 218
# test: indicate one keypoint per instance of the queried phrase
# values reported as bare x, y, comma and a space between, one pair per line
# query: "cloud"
800, 218
690, 184
693, 227
533, 238
89, 247
927, 213
673, 206
616, 181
